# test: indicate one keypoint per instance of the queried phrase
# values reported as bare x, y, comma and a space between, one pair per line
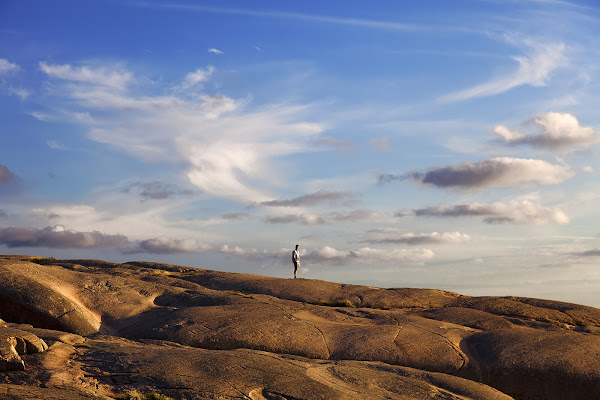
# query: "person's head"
297, 246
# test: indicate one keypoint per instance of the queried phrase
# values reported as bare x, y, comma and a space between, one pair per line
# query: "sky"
433, 144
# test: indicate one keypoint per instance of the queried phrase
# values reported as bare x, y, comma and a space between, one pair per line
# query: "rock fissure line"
457, 350
305, 322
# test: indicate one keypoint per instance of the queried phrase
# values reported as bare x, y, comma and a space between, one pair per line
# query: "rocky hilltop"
79, 329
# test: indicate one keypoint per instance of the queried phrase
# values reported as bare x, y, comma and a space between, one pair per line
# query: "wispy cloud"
312, 199
391, 237
155, 190
557, 131
358, 22
228, 148
511, 212
316, 219
587, 253
342, 145
196, 78
21, 93
7, 66
117, 78
495, 172
535, 67
215, 51
164, 245
304, 219
381, 144
367, 255
7, 176
55, 145
235, 216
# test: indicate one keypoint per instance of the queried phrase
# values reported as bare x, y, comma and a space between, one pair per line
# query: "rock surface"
195, 333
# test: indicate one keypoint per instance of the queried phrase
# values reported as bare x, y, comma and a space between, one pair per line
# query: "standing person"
296, 261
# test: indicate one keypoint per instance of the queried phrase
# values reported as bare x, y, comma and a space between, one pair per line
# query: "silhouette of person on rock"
296, 261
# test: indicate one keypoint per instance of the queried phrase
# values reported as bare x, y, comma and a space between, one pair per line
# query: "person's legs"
295, 270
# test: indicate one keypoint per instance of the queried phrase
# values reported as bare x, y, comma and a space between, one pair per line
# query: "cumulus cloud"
155, 190
6, 176
393, 237
367, 255
164, 245
511, 212
534, 68
312, 199
495, 172
58, 237
555, 131
228, 145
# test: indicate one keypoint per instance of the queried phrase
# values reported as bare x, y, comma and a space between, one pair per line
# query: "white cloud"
358, 22
495, 172
40, 116
315, 219
193, 79
228, 147
557, 130
535, 68
164, 245
19, 92
6, 66
116, 78
330, 255
390, 237
511, 212
215, 51
55, 145
588, 169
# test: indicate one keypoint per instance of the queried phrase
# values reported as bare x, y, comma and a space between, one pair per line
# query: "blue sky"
450, 145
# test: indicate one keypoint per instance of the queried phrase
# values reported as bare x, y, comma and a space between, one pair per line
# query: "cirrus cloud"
535, 67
